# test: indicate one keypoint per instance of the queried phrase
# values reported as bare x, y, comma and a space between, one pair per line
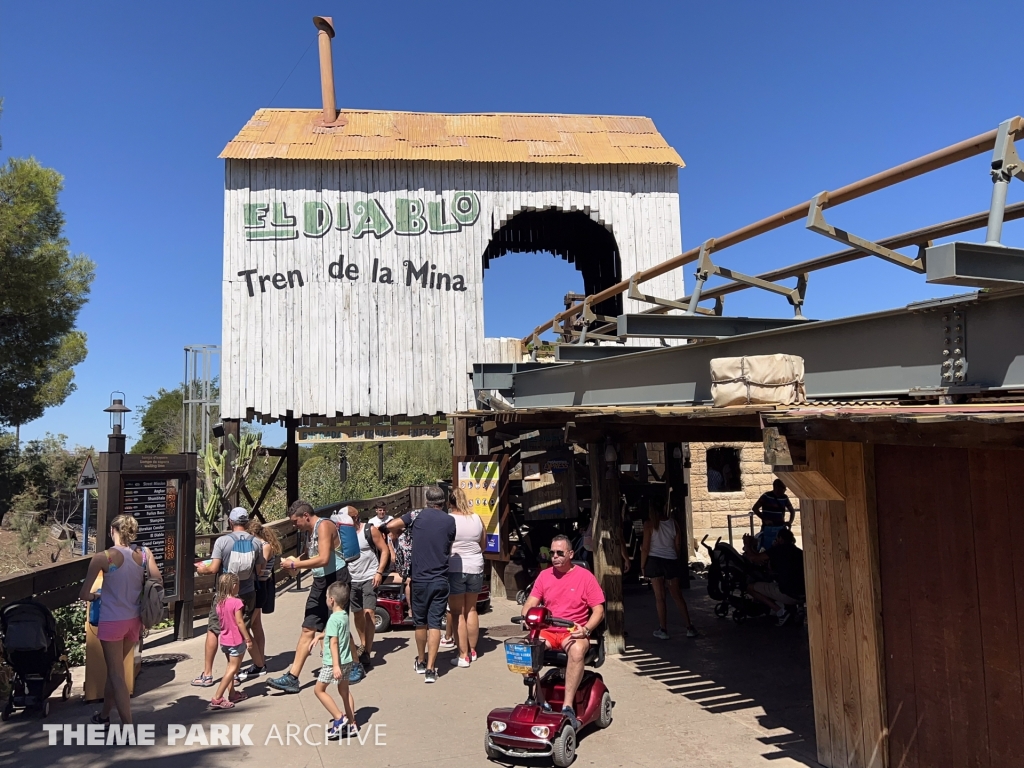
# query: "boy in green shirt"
337, 665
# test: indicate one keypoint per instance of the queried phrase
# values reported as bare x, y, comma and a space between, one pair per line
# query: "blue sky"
768, 103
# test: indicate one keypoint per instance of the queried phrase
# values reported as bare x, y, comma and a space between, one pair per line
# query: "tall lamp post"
110, 469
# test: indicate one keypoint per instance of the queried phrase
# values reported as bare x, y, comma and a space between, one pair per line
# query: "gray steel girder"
883, 354
573, 353
698, 326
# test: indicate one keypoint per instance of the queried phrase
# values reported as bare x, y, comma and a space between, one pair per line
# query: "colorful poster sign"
479, 480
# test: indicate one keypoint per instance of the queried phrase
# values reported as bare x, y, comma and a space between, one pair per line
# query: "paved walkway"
679, 702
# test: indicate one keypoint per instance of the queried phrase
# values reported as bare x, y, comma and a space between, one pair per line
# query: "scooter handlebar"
555, 622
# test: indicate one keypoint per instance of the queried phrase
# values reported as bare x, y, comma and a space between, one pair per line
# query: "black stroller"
35, 652
728, 576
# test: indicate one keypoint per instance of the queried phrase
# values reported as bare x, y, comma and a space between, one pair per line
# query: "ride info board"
479, 480
154, 505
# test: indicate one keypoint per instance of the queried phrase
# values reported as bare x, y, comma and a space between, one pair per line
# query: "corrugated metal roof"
295, 134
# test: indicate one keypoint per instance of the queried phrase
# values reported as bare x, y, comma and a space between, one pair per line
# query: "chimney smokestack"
326, 26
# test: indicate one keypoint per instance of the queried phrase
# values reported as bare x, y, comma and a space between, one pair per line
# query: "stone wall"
711, 510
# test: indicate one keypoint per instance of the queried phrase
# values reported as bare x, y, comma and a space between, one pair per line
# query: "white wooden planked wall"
356, 348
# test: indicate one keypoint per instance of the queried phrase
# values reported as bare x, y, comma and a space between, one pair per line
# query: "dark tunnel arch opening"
573, 236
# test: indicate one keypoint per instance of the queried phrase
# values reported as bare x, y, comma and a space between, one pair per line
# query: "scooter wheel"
521, 597
44, 711
5, 715
604, 713
563, 749
491, 752
66, 693
721, 610
381, 620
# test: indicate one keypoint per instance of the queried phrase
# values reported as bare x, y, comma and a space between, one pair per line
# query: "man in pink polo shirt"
569, 592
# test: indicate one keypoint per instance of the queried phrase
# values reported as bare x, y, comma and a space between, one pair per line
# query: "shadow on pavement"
730, 668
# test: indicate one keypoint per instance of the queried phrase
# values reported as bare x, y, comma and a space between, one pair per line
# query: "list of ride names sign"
154, 505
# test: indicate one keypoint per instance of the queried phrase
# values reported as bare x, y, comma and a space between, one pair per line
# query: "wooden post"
291, 470
232, 428
606, 509
183, 616
109, 477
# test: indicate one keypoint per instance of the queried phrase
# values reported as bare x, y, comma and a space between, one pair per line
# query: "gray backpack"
152, 608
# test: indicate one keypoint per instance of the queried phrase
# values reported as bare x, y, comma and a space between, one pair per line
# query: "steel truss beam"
575, 353
899, 352
698, 326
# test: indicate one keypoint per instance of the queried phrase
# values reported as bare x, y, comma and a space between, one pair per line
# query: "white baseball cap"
239, 516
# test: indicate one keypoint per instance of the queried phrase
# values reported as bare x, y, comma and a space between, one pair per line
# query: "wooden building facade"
354, 253
915, 584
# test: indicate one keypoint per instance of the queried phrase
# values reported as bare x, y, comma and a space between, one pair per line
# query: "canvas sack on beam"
757, 379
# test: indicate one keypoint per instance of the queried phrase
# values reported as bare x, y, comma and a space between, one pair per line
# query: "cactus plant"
221, 481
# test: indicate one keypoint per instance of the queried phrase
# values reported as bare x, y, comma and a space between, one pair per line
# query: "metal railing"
922, 165
729, 519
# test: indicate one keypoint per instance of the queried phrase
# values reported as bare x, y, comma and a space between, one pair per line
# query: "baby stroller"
728, 576
35, 652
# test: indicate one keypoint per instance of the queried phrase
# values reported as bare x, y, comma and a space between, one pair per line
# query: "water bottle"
94, 610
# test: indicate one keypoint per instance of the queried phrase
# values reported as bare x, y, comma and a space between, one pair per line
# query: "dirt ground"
48, 550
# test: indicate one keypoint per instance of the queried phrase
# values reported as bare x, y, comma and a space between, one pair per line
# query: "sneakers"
342, 729
447, 643
287, 682
573, 720
460, 662
430, 676
419, 666
691, 631
357, 674
250, 673
472, 655
782, 620
661, 634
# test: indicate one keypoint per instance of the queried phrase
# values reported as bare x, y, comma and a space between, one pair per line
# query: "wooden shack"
355, 252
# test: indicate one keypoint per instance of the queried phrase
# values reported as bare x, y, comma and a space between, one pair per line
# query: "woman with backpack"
465, 576
367, 574
266, 595
124, 569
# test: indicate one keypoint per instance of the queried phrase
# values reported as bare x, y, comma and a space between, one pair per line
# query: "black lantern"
117, 410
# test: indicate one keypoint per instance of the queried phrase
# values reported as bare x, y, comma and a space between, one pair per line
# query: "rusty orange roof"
295, 134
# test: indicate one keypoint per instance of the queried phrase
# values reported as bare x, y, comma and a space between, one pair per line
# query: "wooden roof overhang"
628, 424
998, 425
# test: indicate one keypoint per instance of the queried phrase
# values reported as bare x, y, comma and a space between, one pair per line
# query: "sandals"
221, 704
238, 696
202, 681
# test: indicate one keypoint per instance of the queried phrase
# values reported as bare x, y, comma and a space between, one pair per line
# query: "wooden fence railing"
54, 585
58, 585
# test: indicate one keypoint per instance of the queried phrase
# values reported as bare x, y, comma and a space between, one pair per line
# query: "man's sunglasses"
559, 552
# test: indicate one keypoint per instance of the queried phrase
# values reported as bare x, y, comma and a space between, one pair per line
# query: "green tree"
161, 421
42, 289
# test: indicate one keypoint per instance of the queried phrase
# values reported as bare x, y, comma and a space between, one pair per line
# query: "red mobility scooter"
532, 729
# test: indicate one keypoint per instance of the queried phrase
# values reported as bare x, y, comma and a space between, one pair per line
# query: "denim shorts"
233, 650
465, 583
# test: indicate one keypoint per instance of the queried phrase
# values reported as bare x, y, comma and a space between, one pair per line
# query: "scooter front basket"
524, 657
